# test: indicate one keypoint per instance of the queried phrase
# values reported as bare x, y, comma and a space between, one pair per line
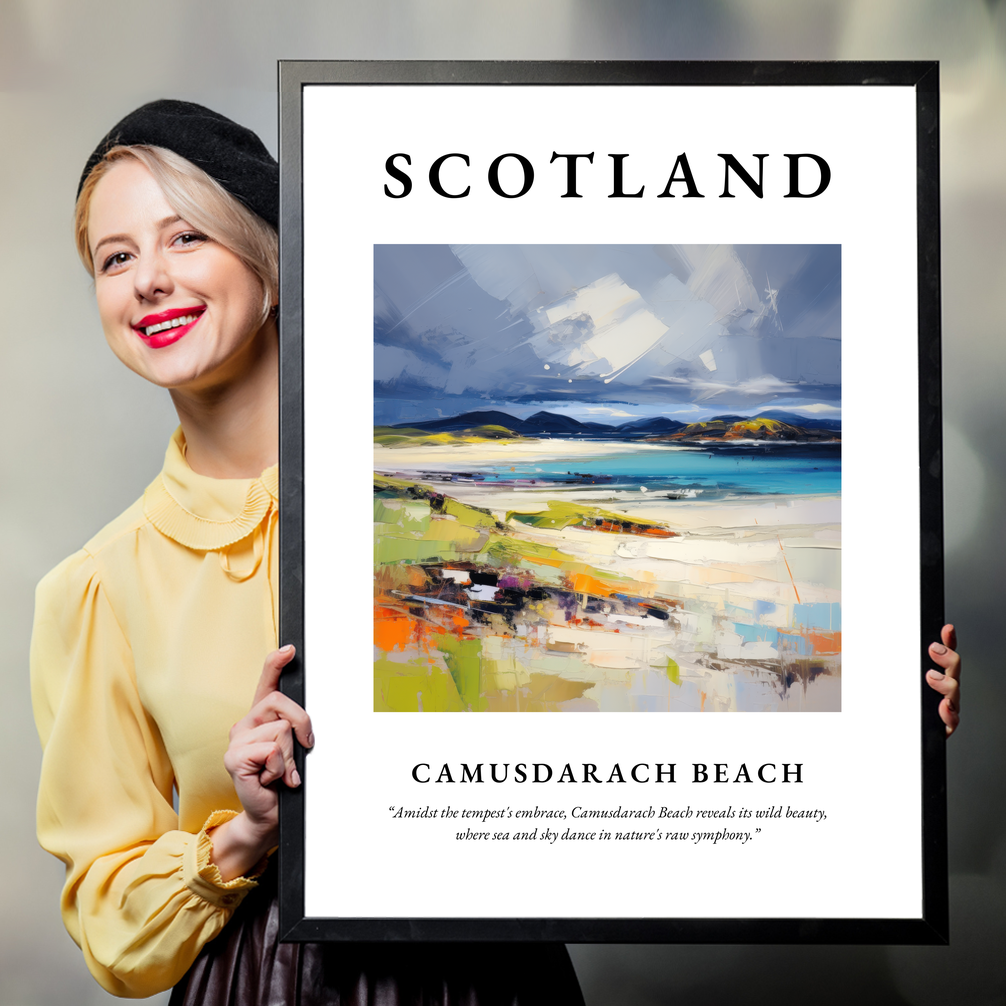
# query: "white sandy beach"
754, 560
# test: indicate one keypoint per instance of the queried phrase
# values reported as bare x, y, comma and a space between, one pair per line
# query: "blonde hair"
199, 200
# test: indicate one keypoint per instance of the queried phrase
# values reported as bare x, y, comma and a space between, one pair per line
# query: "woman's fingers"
949, 688
947, 682
949, 636
261, 749
950, 716
949, 709
259, 760
274, 766
947, 658
270, 703
277, 706
277, 735
271, 671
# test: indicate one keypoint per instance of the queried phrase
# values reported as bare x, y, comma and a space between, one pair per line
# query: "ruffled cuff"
203, 878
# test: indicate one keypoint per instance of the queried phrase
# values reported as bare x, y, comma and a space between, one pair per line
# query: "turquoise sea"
702, 473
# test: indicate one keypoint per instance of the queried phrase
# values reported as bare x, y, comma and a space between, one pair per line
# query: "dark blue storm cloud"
721, 327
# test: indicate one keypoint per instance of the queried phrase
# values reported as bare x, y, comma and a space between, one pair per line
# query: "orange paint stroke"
392, 631
584, 583
824, 642
396, 629
459, 622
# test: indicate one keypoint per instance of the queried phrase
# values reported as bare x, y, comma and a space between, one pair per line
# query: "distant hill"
772, 425
541, 424
457, 424
759, 428
549, 422
807, 423
729, 419
650, 427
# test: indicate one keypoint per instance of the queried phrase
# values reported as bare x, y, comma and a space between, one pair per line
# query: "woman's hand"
947, 682
260, 753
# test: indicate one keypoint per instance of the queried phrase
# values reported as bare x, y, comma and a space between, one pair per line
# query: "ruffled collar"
203, 513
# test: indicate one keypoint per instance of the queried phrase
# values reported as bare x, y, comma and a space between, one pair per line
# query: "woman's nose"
152, 277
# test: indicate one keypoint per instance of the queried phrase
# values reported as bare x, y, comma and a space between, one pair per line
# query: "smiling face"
177, 307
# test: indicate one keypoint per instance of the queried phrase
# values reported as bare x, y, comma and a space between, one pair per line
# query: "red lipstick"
165, 333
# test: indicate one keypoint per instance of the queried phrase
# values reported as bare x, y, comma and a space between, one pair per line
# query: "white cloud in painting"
608, 328
765, 388
602, 301
604, 410
820, 408
599, 330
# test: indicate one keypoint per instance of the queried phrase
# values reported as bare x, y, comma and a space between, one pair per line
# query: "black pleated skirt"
246, 965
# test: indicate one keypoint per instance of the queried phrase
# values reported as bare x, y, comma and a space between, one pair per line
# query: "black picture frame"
931, 927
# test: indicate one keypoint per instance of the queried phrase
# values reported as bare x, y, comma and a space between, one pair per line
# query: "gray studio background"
81, 436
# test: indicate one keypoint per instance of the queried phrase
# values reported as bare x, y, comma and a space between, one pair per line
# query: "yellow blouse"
147, 647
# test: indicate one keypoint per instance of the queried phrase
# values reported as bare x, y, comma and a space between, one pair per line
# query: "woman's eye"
190, 238
114, 261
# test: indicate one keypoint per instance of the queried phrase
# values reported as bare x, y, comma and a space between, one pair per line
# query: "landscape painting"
607, 478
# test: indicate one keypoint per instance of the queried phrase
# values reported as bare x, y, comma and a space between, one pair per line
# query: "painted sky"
599, 331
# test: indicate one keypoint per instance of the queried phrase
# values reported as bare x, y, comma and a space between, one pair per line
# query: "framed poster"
611, 500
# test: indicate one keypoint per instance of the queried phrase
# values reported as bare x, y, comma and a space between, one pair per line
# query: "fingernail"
936, 676
295, 777
287, 649
310, 740
938, 648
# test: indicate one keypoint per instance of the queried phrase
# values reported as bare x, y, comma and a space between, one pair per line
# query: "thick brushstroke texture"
538, 548
570, 613
456, 327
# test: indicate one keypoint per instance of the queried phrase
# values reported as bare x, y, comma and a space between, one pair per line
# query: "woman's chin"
173, 374
197, 365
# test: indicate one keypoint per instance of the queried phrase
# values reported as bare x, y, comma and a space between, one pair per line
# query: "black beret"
230, 154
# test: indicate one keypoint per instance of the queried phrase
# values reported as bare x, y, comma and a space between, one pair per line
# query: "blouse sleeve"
141, 898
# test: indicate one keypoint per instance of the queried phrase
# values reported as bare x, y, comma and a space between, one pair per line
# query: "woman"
148, 643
